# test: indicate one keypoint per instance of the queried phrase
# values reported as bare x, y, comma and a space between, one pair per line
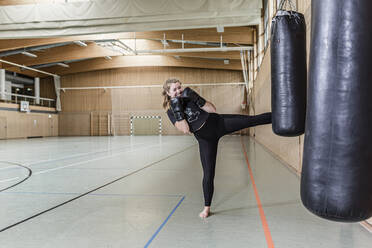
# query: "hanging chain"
285, 3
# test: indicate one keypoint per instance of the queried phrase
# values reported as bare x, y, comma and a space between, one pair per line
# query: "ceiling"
66, 54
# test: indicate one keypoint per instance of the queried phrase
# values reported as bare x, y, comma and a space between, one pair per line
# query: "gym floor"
145, 191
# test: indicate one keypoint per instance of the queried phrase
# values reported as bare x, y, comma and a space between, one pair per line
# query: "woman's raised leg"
230, 123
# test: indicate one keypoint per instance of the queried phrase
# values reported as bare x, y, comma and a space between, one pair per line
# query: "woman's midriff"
210, 116
200, 126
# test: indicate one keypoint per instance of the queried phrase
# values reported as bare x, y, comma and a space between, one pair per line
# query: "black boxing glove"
191, 95
176, 105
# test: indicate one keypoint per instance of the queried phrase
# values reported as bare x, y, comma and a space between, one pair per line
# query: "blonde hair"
166, 88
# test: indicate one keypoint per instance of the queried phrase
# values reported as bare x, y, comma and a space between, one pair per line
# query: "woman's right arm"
183, 126
209, 107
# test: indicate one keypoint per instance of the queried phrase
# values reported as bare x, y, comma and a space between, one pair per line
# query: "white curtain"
110, 16
57, 86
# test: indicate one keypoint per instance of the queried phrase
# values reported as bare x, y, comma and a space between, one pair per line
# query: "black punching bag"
336, 181
288, 73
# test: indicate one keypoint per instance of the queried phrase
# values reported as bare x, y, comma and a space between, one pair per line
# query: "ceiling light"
226, 61
220, 29
108, 58
116, 46
164, 42
80, 43
29, 54
63, 65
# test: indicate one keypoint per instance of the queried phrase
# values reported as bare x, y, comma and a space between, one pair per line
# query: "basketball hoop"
24, 106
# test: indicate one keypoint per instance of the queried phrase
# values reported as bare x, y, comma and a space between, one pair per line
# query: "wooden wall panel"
148, 75
86, 100
47, 88
74, 124
287, 149
120, 123
53, 127
3, 127
23, 125
146, 126
99, 123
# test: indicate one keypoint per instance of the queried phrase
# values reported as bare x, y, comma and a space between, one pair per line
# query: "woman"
190, 113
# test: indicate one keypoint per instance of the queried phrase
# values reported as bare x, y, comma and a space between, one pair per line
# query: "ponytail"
166, 99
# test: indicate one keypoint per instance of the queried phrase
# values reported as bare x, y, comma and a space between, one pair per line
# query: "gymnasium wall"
94, 112
41, 121
289, 150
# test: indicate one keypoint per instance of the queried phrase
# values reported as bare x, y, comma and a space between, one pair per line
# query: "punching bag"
336, 181
288, 73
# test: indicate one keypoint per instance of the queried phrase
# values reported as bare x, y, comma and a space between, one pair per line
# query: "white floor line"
74, 164
86, 161
66, 157
8, 180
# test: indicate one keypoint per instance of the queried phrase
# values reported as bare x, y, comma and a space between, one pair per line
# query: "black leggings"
216, 126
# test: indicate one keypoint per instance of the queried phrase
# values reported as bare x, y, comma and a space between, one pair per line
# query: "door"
3, 127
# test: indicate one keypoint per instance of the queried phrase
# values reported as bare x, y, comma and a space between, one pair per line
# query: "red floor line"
269, 240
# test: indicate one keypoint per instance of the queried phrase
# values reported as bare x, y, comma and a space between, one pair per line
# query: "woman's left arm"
209, 107
191, 94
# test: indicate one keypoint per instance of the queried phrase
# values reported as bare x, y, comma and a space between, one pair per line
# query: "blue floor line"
162, 225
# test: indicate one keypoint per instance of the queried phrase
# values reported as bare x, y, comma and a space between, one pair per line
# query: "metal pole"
193, 50
37, 90
28, 68
148, 86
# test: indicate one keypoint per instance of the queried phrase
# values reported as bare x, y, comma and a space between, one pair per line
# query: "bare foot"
205, 213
